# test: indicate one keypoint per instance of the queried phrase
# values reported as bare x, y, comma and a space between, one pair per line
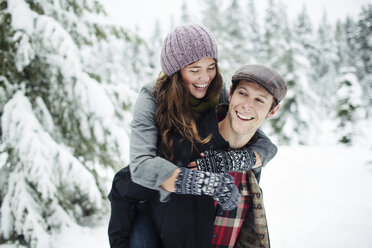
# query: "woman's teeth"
202, 86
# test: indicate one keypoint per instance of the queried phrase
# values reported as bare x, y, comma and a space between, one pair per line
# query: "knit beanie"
185, 45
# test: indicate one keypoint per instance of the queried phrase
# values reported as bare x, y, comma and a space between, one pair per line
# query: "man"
255, 95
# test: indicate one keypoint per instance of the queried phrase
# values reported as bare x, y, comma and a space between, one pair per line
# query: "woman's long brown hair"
174, 114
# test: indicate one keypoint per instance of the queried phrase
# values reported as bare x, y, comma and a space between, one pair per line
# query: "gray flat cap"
265, 77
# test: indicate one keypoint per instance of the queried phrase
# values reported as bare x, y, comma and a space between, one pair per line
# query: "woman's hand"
170, 183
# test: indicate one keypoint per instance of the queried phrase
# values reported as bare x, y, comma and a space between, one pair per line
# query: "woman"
164, 134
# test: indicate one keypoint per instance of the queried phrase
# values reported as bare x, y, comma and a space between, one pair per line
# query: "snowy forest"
69, 77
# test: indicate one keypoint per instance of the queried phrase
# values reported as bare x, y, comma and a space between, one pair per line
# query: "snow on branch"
48, 187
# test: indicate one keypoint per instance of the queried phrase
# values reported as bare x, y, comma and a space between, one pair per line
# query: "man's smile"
244, 117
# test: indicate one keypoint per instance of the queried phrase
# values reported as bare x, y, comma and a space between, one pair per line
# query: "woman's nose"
204, 77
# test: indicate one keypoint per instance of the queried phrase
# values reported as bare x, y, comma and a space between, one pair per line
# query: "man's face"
249, 106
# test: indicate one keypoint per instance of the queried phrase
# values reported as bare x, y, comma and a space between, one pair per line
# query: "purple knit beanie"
185, 45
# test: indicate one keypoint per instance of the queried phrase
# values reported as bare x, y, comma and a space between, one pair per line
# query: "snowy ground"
319, 197
314, 197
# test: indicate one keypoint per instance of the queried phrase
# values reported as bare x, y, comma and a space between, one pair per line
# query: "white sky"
144, 12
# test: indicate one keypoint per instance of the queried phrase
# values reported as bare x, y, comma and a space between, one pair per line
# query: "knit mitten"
218, 161
220, 187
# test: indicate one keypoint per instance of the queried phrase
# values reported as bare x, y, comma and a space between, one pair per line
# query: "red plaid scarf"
227, 224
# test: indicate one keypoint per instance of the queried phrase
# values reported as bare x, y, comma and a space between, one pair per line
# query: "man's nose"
248, 103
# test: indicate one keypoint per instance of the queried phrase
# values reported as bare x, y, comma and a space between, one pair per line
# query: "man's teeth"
243, 116
200, 85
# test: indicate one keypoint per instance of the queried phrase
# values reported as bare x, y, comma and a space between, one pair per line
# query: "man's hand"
220, 160
258, 160
193, 165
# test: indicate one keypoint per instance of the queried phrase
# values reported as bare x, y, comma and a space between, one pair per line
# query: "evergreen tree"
154, 48
214, 18
233, 52
252, 33
342, 46
136, 57
185, 16
277, 38
363, 38
212, 13
364, 47
273, 35
304, 37
324, 62
348, 106
293, 123
64, 121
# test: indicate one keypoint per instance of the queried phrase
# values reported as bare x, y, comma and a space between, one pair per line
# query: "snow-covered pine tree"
213, 19
303, 33
305, 106
212, 13
293, 123
348, 106
363, 34
233, 47
277, 38
273, 35
185, 16
154, 48
363, 37
135, 53
344, 50
324, 62
252, 30
277, 48
64, 123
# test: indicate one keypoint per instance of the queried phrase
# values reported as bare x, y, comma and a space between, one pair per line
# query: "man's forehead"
249, 84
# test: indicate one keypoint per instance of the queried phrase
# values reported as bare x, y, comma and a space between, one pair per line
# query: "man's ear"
273, 111
230, 93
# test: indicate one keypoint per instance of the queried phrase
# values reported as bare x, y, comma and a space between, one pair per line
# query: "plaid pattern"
254, 232
227, 224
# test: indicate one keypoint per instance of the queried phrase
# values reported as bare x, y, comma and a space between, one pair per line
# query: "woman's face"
198, 76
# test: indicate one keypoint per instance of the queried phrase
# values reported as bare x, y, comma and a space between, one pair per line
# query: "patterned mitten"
220, 187
226, 161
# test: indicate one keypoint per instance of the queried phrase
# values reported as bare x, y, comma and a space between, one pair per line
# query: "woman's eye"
211, 68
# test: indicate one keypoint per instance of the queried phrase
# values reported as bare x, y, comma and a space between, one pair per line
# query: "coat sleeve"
147, 169
264, 147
